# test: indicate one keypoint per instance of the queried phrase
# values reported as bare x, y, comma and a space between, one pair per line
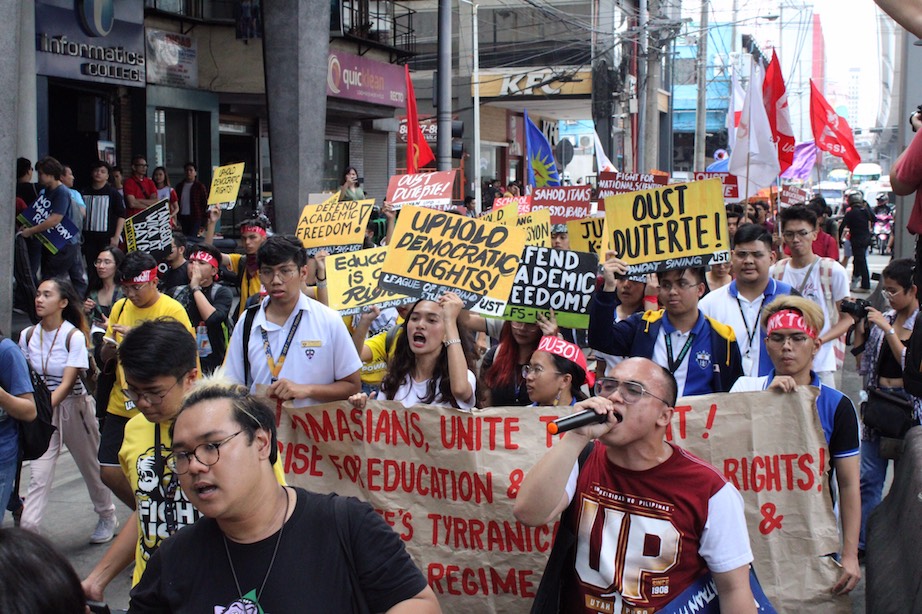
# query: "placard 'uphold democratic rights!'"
673, 227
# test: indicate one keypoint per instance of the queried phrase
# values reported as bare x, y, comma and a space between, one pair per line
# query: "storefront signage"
172, 59
538, 82
358, 78
101, 41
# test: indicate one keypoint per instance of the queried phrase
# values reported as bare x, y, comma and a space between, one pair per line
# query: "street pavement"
70, 519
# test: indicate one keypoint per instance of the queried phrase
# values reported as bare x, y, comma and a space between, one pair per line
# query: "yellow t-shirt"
126, 313
249, 286
138, 458
373, 371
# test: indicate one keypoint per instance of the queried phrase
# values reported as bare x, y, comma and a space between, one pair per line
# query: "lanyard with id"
750, 335
675, 363
275, 366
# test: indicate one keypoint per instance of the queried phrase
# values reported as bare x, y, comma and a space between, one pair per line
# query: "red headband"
203, 256
257, 229
143, 277
570, 351
789, 319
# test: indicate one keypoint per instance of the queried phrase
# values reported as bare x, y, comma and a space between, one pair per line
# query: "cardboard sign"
589, 235
522, 203
622, 183
565, 203
730, 184
431, 190
771, 446
149, 231
225, 184
537, 224
556, 279
353, 282
673, 227
446, 481
792, 195
432, 252
334, 226
55, 238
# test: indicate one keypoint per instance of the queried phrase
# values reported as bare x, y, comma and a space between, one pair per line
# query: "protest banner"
677, 226
149, 231
55, 238
353, 282
565, 203
334, 226
446, 480
589, 235
792, 195
730, 183
522, 203
557, 279
430, 190
225, 184
432, 252
622, 183
772, 448
537, 224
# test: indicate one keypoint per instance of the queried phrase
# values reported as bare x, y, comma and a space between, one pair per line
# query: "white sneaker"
105, 530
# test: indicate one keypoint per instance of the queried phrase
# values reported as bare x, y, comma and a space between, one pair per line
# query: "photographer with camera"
823, 281
881, 339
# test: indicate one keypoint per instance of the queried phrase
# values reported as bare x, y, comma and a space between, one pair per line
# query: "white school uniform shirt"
321, 352
825, 359
412, 393
678, 342
720, 305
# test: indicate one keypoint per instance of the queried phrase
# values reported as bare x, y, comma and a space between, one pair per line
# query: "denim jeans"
7, 480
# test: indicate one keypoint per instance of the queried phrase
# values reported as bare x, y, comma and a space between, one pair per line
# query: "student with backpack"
16, 405
56, 348
822, 280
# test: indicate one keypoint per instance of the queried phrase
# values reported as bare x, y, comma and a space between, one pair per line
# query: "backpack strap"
779, 268
67, 339
247, 328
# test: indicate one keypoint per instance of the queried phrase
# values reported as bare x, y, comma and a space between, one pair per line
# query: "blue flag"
542, 169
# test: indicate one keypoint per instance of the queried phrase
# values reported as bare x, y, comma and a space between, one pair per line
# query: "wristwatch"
449, 342
891, 331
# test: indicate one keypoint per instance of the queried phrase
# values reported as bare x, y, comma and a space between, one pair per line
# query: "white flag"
754, 159
601, 160
735, 109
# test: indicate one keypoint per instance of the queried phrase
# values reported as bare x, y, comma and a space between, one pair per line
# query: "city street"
70, 518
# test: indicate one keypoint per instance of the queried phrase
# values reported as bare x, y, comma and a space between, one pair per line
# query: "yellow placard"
537, 224
353, 282
590, 235
225, 184
672, 227
334, 226
432, 252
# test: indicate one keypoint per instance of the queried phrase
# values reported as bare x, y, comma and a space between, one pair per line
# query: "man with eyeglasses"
143, 302
140, 191
700, 352
740, 304
645, 518
792, 325
822, 280
298, 347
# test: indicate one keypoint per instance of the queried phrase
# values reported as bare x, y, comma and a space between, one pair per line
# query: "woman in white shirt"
56, 348
432, 359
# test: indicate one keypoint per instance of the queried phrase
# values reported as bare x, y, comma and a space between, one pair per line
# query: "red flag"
775, 98
418, 150
831, 132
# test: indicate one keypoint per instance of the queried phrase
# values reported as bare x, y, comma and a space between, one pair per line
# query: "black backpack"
35, 436
912, 369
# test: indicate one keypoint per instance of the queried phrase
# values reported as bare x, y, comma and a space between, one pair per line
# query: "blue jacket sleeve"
605, 334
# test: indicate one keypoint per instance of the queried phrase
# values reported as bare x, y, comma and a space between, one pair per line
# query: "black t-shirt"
190, 571
509, 395
175, 278
27, 191
103, 208
218, 326
856, 220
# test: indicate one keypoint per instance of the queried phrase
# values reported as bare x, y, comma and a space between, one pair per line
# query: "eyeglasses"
796, 234
134, 289
795, 339
631, 392
744, 255
682, 284
149, 397
206, 453
285, 274
537, 370
889, 294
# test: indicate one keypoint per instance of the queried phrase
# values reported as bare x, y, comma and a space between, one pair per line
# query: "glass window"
335, 161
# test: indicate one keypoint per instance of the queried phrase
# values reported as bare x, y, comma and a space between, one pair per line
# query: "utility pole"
650, 159
443, 144
642, 78
701, 106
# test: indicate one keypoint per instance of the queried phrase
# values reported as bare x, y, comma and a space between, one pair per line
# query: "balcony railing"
378, 23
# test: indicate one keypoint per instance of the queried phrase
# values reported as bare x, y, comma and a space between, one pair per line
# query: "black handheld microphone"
574, 421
